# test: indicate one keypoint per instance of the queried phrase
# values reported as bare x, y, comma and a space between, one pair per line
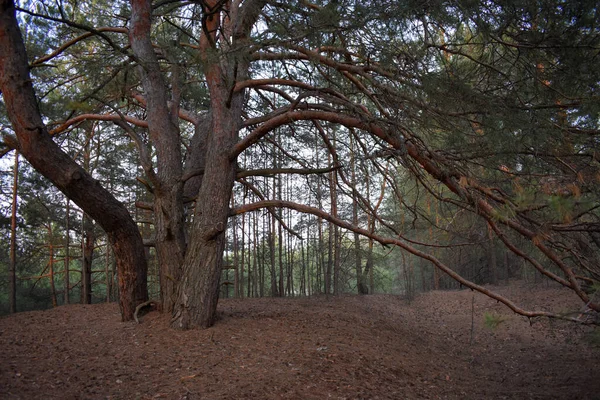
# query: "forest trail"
350, 347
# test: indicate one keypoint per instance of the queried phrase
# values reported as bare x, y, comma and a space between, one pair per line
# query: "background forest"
381, 147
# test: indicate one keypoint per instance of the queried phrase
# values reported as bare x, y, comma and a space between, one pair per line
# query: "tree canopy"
428, 127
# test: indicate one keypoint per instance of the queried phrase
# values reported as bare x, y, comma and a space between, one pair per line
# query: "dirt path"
369, 347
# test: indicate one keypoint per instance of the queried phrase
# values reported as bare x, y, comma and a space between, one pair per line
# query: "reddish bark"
199, 289
36, 145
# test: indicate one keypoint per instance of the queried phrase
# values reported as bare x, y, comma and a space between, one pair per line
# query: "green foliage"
502, 92
493, 320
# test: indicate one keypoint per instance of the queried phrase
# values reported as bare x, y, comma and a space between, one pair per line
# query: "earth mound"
442, 345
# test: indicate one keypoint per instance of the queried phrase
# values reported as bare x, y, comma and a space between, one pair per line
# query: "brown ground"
370, 347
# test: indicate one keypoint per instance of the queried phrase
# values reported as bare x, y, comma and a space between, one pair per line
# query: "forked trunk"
199, 289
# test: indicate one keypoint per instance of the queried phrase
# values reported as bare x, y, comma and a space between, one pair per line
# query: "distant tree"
12, 275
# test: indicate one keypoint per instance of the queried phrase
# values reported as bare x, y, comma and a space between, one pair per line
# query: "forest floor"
350, 347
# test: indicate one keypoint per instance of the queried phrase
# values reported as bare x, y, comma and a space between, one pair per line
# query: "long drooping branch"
475, 194
395, 242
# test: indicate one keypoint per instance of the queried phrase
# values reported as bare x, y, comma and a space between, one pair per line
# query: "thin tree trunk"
234, 239
492, 260
257, 263
107, 273
243, 257
261, 262
302, 270
255, 279
280, 253
51, 265
274, 286
329, 265
361, 287
12, 273
335, 250
67, 283
337, 261
368, 271
319, 255
87, 250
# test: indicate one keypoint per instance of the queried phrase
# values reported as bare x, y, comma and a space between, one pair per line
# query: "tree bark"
36, 145
274, 287
12, 273
67, 282
169, 217
198, 293
107, 274
199, 290
360, 283
88, 242
51, 265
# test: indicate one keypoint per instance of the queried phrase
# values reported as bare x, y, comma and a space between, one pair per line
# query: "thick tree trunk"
47, 158
199, 290
170, 248
169, 219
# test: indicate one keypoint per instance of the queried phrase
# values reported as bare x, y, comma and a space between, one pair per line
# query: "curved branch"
262, 82
74, 41
390, 241
97, 117
459, 184
270, 209
275, 171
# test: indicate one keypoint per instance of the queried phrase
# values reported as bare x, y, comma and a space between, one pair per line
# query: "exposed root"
152, 303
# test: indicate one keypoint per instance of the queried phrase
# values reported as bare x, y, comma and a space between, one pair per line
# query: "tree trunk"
282, 274
320, 254
360, 282
274, 287
236, 257
199, 290
492, 259
107, 274
51, 265
12, 270
47, 158
88, 242
67, 282
242, 258
163, 129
